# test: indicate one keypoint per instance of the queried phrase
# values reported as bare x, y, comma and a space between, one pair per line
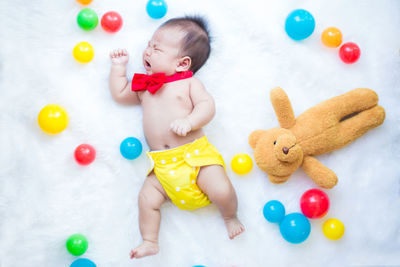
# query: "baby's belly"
159, 136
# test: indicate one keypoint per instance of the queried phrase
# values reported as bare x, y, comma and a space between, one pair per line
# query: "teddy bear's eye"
274, 142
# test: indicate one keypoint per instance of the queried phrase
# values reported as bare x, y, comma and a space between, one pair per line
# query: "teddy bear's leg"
319, 173
353, 102
354, 127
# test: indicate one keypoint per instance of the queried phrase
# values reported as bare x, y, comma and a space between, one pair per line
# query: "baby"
186, 168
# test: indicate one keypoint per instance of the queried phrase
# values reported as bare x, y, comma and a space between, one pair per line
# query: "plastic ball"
300, 24
333, 229
52, 119
314, 203
331, 37
156, 8
274, 211
84, 2
87, 19
111, 22
131, 148
83, 52
77, 244
241, 163
85, 154
349, 52
82, 262
295, 228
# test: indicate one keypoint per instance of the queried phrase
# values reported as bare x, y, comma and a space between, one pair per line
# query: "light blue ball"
131, 148
274, 211
295, 228
156, 8
83, 263
300, 24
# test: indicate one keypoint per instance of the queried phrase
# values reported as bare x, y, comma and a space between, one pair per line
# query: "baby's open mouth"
147, 64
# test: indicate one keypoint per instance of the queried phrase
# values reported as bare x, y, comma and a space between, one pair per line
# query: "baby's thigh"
152, 192
212, 180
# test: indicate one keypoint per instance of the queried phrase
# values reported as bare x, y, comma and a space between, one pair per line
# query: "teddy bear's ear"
254, 137
283, 108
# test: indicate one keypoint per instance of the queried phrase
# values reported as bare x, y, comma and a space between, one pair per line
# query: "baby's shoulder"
195, 83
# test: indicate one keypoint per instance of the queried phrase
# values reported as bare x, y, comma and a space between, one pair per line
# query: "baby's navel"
166, 146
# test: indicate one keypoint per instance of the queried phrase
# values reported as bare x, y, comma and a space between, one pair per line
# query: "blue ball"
156, 8
83, 263
295, 228
299, 24
274, 211
131, 148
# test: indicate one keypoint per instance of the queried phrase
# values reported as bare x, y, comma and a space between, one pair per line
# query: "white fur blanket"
45, 196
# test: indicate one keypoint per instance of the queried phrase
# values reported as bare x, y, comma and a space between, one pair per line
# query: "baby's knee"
223, 193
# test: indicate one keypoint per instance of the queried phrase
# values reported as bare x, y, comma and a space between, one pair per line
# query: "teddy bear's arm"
283, 108
319, 173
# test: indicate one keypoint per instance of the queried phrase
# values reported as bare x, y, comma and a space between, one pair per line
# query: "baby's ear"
184, 64
254, 137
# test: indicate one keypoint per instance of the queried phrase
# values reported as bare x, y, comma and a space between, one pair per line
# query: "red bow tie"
154, 82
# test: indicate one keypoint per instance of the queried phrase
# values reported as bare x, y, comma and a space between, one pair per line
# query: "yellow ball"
242, 163
83, 52
53, 119
331, 37
333, 229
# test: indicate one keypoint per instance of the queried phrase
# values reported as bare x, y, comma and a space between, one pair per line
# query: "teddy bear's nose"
285, 150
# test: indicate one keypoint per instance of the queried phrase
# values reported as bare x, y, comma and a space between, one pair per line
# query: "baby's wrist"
119, 64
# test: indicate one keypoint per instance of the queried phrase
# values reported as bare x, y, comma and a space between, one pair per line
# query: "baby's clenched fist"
119, 56
181, 127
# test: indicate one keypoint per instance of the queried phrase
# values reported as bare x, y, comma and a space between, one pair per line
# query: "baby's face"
163, 51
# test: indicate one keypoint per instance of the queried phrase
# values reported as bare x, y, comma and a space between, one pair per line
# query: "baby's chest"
168, 97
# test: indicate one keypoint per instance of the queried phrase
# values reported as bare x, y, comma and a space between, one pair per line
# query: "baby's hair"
196, 43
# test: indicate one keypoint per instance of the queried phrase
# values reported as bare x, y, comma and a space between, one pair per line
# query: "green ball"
77, 244
87, 19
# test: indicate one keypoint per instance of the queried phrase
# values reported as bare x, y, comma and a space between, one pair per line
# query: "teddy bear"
323, 128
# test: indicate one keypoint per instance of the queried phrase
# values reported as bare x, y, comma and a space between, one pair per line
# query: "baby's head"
180, 44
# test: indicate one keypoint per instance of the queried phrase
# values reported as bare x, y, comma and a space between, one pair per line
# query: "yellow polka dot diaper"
177, 171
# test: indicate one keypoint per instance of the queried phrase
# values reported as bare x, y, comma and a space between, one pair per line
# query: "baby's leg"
214, 182
151, 197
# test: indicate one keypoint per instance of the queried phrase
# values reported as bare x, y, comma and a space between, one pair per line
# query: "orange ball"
84, 2
331, 37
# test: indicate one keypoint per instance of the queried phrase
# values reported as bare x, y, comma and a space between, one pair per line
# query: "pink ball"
349, 52
314, 203
111, 22
85, 154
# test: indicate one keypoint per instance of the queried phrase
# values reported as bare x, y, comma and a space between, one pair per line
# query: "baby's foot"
147, 248
234, 227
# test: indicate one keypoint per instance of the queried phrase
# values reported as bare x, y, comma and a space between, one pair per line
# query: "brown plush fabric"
323, 128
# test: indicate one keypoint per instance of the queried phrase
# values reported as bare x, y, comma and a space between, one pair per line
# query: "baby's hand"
181, 127
119, 56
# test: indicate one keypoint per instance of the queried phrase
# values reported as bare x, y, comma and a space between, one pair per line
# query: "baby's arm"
202, 113
120, 87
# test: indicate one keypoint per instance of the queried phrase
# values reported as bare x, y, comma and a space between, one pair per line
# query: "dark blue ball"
274, 211
131, 148
300, 24
83, 263
156, 8
295, 228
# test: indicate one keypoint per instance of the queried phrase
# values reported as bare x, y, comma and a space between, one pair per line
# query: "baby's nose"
285, 150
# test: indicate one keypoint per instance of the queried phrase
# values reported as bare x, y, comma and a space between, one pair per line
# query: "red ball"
111, 22
349, 52
314, 203
85, 154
